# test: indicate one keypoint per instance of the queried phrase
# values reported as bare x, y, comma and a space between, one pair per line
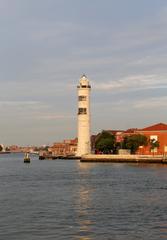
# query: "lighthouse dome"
84, 81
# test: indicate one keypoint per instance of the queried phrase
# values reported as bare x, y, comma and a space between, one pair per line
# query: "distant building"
21, 149
14, 148
2, 147
66, 148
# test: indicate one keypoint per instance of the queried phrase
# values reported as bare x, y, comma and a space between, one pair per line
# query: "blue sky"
46, 46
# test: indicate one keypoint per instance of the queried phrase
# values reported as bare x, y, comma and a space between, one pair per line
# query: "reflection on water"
85, 167
83, 203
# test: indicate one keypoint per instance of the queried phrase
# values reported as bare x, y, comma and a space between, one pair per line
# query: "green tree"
46, 148
153, 145
105, 142
133, 142
7, 149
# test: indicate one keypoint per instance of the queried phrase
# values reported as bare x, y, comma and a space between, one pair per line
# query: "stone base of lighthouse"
84, 145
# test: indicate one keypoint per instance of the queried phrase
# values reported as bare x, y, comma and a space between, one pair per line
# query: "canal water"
66, 199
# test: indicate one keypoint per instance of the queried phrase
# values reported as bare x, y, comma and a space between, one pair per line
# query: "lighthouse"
84, 145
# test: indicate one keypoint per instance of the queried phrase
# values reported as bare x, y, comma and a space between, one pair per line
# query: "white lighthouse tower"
84, 144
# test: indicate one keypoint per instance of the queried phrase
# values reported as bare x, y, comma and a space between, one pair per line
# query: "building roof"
131, 130
114, 132
156, 127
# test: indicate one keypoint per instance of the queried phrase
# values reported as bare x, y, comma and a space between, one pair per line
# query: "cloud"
24, 109
149, 103
133, 83
33, 110
162, 15
54, 116
152, 103
18, 103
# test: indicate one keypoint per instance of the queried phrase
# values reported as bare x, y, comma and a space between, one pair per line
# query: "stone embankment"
124, 158
54, 157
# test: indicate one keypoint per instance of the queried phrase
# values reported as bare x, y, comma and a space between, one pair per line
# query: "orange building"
157, 132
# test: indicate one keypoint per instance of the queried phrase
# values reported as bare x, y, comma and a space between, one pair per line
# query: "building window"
154, 137
165, 149
82, 98
82, 111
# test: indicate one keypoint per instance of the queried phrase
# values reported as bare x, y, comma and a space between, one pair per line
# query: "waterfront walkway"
124, 158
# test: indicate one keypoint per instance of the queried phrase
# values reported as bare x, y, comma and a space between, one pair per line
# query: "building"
22, 149
14, 148
157, 132
66, 148
2, 148
84, 143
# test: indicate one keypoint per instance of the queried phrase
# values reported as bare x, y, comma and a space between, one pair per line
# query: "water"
64, 199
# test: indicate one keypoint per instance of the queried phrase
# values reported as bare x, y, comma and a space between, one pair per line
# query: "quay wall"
124, 158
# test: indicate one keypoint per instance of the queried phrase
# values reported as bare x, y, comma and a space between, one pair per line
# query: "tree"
105, 142
133, 142
46, 148
153, 145
1, 148
7, 149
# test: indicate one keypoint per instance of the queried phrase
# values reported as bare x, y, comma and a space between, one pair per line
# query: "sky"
45, 46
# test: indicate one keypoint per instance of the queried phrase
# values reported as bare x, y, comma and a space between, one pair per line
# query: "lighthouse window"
83, 86
82, 98
82, 111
